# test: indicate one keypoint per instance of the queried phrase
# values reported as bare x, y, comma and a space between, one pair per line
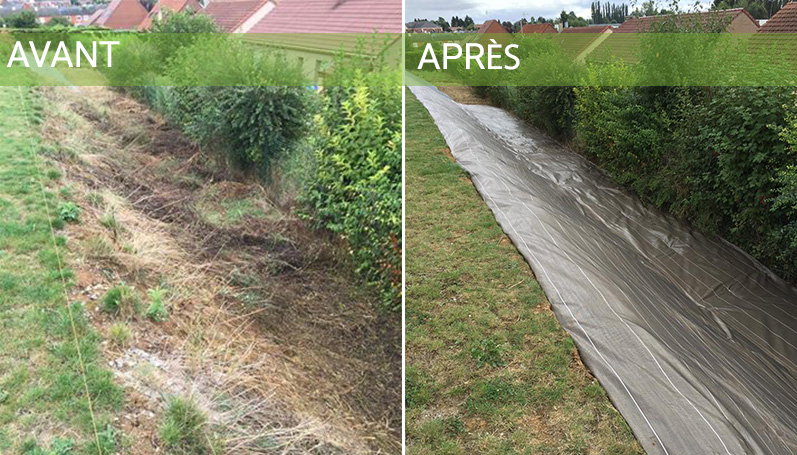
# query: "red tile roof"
230, 14
645, 24
168, 5
784, 21
492, 26
121, 15
538, 28
586, 29
333, 16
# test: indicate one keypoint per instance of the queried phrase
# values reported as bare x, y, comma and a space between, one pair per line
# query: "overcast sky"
505, 10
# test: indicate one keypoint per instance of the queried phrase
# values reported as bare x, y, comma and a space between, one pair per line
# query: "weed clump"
122, 299
110, 222
185, 429
488, 352
68, 212
119, 333
157, 310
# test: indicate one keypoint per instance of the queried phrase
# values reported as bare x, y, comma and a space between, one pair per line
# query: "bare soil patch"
463, 95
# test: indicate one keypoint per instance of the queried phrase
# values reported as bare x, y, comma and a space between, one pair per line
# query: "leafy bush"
356, 191
23, 19
186, 21
249, 126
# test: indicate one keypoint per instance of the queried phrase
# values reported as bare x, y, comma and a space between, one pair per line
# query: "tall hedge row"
722, 158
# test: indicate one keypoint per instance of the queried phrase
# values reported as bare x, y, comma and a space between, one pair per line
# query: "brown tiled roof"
229, 15
646, 23
578, 39
784, 21
121, 15
538, 28
333, 16
492, 26
586, 29
777, 38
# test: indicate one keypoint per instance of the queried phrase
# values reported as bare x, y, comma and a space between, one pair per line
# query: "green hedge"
724, 159
356, 190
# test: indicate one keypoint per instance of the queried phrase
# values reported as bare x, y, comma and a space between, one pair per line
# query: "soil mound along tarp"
694, 341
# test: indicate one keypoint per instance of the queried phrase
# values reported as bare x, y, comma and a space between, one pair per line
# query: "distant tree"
443, 23
23, 19
608, 13
649, 8
572, 20
467, 21
758, 11
59, 21
184, 22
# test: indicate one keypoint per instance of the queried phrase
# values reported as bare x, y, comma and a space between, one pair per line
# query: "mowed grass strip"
43, 404
489, 368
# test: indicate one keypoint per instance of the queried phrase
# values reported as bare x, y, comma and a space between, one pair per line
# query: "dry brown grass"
279, 348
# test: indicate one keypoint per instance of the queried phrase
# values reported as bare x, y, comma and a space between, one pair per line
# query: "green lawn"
489, 368
49, 355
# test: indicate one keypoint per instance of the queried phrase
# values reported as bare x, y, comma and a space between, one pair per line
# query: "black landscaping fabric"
694, 341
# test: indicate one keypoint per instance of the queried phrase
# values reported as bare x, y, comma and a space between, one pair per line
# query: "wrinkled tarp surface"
694, 341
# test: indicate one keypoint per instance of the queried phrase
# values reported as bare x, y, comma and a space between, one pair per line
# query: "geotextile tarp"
694, 341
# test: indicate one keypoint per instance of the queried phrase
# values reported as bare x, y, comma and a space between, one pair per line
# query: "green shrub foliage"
356, 190
251, 126
722, 158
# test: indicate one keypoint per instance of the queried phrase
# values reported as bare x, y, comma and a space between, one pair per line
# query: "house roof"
574, 40
121, 15
230, 14
419, 25
784, 21
46, 11
647, 23
586, 29
538, 28
492, 26
168, 5
333, 16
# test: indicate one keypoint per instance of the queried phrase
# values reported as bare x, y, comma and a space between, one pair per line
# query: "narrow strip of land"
489, 368
692, 338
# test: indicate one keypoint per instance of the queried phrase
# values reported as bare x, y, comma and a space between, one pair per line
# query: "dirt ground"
267, 332
462, 94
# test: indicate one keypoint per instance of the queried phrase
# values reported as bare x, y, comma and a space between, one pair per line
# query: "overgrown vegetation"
489, 368
350, 151
722, 158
